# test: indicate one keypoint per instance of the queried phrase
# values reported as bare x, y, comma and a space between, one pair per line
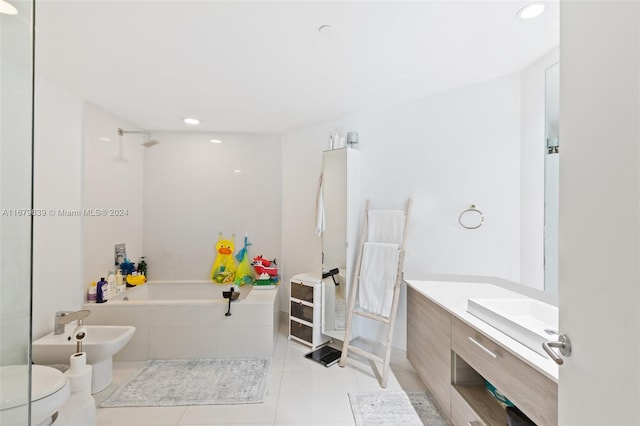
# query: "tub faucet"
65, 317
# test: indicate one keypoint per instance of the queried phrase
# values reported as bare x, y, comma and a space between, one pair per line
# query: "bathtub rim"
255, 296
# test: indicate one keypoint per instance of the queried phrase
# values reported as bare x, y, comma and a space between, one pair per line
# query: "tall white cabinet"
342, 215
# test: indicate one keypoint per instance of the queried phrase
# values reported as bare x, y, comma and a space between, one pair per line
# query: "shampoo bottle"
102, 291
142, 267
120, 287
92, 292
111, 280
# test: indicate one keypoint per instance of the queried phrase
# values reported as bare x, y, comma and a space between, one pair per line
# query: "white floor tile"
352, 423
139, 416
330, 380
323, 408
231, 414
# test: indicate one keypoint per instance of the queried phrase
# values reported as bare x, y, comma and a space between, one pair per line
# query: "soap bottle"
102, 291
120, 287
142, 267
111, 280
92, 292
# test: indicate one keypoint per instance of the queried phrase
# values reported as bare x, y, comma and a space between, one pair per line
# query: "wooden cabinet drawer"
302, 311
301, 331
302, 292
531, 391
461, 413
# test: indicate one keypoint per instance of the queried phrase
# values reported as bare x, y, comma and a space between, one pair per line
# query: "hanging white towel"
320, 210
386, 226
377, 277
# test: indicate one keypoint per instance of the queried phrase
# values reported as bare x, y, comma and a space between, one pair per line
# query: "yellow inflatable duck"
224, 267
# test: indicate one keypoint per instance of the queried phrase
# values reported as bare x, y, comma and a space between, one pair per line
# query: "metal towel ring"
471, 209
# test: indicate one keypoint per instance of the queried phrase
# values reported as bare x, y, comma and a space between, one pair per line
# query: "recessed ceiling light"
103, 139
7, 8
190, 120
531, 11
215, 141
237, 171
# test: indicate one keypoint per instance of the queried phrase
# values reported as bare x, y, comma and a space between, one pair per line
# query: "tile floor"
301, 392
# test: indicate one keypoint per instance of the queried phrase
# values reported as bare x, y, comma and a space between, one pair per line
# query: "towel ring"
468, 211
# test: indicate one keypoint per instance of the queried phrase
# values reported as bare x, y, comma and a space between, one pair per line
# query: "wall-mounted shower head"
148, 142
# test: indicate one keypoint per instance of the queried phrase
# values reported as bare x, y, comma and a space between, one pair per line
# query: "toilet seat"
49, 381
49, 390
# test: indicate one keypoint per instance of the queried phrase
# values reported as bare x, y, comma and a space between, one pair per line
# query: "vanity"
455, 352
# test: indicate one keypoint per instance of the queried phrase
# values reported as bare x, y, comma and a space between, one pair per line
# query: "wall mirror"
551, 177
340, 196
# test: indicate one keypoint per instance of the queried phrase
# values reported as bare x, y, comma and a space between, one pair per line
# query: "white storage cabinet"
305, 310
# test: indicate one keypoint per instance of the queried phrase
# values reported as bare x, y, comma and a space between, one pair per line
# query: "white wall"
57, 241
191, 194
532, 155
112, 180
446, 151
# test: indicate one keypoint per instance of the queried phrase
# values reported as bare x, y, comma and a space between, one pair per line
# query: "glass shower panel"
16, 89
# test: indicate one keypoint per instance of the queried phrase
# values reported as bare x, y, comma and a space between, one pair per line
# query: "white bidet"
100, 344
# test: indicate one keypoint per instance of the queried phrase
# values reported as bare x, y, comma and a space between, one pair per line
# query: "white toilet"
50, 389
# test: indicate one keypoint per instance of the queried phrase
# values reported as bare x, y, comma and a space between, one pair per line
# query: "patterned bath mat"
395, 408
165, 383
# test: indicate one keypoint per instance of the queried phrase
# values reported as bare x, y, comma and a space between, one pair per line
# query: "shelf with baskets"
305, 310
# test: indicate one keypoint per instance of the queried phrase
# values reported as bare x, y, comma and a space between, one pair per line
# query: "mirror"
551, 178
340, 196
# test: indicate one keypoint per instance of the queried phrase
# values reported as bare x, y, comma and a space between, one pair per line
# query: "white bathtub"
187, 320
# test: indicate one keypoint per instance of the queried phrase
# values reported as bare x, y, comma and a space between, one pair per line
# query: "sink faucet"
65, 317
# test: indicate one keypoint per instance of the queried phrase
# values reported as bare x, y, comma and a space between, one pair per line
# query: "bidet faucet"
65, 317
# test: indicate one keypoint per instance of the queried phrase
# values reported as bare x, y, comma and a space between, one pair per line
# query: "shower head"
150, 143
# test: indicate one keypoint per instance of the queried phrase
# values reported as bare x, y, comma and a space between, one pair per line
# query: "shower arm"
122, 132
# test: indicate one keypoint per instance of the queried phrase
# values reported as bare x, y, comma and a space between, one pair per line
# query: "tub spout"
232, 294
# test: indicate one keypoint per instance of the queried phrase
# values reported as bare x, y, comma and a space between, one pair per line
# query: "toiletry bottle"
142, 267
92, 292
111, 280
120, 287
102, 291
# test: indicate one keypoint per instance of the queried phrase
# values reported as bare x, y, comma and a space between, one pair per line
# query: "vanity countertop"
452, 296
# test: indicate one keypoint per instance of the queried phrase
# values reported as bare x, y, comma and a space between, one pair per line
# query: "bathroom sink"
100, 344
528, 321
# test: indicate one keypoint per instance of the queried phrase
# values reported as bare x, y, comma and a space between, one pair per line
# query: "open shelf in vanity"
470, 385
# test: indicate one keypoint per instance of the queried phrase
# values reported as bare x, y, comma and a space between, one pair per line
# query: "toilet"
50, 389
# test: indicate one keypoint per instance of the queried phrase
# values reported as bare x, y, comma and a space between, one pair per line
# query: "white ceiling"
263, 66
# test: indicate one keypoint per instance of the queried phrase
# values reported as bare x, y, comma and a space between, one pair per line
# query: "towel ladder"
388, 321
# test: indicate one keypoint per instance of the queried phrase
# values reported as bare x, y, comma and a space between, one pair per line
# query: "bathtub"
187, 319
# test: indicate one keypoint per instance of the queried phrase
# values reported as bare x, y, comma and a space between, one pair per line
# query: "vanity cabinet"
429, 345
305, 310
454, 359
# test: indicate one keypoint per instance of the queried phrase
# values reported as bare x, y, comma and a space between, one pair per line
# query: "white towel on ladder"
386, 226
377, 277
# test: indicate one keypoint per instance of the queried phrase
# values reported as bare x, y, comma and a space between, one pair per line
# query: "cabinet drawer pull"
481, 346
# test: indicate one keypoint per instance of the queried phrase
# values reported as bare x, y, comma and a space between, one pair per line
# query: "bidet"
100, 342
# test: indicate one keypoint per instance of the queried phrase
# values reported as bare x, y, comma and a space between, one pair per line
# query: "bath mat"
395, 408
166, 383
